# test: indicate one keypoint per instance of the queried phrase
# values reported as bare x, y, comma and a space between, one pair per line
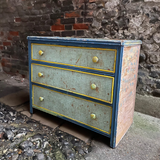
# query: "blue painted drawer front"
75, 81
77, 54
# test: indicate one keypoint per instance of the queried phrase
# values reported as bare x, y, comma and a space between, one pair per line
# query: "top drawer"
100, 59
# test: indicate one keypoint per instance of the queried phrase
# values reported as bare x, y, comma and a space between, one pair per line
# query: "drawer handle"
93, 86
41, 99
40, 52
95, 59
93, 116
40, 74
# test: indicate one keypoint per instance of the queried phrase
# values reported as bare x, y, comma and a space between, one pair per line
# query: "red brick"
1, 135
80, 26
17, 20
58, 22
6, 43
14, 33
1, 47
72, 14
5, 61
9, 38
57, 27
92, 1
1, 33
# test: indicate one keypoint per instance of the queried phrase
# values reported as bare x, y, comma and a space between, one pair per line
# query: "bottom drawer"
92, 114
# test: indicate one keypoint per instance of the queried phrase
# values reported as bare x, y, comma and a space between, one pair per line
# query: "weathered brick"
57, 27
58, 21
79, 20
87, 13
68, 21
35, 18
15, 61
1, 47
80, 33
42, 28
24, 68
14, 33
80, 26
68, 27
17, 20
6, 43
40, 22
9, 38
68, 33
34, 12
24, 19
57, 34
67, 8
1, 33
90, 20
72, 14
67, 2
90, 1
50, 22
45, 17
56, 15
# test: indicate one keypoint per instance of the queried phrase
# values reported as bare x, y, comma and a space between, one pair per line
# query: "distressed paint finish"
127, 90
79, 61
76, 56
76, 82
74, 108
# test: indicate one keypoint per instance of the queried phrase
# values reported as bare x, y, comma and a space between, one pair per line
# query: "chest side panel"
127, 90
76, 82
76, 56
73, 108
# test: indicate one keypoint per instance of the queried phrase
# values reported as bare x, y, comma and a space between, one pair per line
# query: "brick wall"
19, 19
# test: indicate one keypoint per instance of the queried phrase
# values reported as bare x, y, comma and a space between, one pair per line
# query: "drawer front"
89, 113
76, 56
87, 84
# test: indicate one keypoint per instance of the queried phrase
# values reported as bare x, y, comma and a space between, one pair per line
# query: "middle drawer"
87, 84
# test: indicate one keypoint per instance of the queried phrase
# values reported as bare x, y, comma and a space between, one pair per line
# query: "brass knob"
93, 116
41, 99
40, 52
95, 59
40, 74
93, 86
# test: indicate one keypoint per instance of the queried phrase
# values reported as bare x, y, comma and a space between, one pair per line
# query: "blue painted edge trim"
68, 43
84, 40
73, 94
74, 68
83, 125
30, 84
116, 100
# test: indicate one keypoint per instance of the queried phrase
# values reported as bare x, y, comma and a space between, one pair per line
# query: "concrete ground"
142, 141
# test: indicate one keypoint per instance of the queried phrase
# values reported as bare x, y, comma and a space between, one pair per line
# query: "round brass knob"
40, 52
40, 74
41, 99
93, 86
95, 59
93, 116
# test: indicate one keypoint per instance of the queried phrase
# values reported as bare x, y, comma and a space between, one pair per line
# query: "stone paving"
22, 138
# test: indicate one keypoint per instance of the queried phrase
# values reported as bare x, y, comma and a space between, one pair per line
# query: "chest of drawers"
89, 82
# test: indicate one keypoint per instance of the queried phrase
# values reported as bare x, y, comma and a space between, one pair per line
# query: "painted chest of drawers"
90, 82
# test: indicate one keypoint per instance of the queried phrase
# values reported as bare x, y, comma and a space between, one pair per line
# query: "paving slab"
15, 99
148, 105
47, 119
77, 131
142, 142
23, 107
